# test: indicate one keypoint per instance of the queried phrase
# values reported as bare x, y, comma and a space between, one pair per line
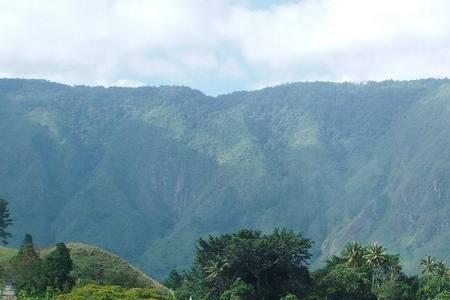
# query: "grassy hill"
144, 172
6, 254
92, 265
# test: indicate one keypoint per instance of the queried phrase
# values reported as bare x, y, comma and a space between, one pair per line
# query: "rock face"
144, 172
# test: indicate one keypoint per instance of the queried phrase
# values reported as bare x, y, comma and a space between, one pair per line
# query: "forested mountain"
144, 172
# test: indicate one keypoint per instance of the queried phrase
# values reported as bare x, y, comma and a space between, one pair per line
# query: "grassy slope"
109, 268
6, 254
95, 292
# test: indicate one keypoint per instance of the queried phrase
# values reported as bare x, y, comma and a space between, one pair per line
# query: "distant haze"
220, 46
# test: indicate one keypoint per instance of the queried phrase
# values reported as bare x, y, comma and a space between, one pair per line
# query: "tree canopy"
251, 264
5, 221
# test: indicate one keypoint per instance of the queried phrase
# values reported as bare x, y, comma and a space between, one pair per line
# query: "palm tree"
215, 274
376, 257
441, 268
353, 254
428, 265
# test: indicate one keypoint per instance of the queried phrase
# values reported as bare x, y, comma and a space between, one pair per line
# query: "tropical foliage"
249, 265
228, 266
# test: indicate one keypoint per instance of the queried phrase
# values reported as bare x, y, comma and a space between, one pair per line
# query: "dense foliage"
143, 172
246, 265
54, 275
91, 265
57, 267
249, 265
5, 221
95, 292
27, 268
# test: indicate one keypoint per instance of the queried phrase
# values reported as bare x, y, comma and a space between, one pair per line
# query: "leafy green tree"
215, 273
58, 266
174, 280
342, 282
441, 268
27, 268
353, 254
239, 291
362, 273
393, 287
272, 264
5, 221
442, 296
433, 286
290, 297
193, 285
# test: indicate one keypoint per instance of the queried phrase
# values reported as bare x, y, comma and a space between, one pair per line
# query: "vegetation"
95, 292
92, 265
27, 269
54, 275
247, 266
5, 221
143, 172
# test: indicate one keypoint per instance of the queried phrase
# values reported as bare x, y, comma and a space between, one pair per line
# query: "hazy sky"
219, 46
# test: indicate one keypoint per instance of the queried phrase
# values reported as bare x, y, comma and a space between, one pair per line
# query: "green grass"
95, 292
6, 254
93, 265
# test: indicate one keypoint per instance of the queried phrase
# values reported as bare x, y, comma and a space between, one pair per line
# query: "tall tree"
432, 266
57, 266
353, 254
428, 265
269, 266
376, 255
27, 268
5, 221
174, 280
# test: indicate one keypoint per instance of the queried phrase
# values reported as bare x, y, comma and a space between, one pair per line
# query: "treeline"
246, 265
54, 276
33, 276
250, 265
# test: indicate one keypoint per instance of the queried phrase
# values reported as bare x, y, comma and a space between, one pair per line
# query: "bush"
95, 292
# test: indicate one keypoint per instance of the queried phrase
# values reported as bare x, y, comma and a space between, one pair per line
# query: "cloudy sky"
219, 46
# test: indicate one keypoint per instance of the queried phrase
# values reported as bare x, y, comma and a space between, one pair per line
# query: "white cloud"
222, 45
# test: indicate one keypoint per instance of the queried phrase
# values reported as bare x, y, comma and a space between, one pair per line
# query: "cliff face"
144, 172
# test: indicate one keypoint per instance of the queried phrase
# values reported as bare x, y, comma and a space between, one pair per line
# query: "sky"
219, 46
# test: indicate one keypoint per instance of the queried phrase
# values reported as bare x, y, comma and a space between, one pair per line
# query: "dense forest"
246, 265
144, 172
250, 265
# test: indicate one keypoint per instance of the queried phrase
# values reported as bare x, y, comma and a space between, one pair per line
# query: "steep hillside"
144, 172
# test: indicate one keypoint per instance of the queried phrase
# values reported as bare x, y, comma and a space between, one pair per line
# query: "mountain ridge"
144, 172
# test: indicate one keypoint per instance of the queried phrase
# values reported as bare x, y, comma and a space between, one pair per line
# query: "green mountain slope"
144, 172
